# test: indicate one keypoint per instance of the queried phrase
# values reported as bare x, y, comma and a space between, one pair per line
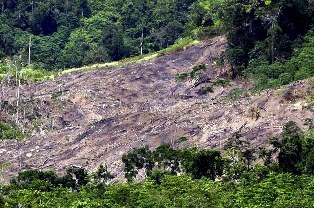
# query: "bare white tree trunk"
29, 50
17, 100
142, 41
18, 83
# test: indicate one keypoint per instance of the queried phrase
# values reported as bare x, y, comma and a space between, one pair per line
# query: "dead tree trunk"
17, 98
142, 41
29, 50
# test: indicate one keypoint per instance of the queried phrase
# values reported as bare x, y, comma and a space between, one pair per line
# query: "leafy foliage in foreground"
274, 190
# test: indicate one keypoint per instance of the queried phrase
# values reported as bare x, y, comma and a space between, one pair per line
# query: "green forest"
280, 174
73, 33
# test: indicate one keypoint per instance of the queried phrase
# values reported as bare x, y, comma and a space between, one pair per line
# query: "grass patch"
28, 74
309, 99
179, 46
237, 93
34, 75
131, 60
3, 168
309, 102
183, 139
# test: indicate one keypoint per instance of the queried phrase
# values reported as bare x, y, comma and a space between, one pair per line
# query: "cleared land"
89, 118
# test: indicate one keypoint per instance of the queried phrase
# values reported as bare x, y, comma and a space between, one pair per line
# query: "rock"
3, 151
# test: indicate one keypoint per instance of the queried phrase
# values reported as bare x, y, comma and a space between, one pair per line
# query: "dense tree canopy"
78, 32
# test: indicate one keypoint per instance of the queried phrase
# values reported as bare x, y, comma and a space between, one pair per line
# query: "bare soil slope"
90, 118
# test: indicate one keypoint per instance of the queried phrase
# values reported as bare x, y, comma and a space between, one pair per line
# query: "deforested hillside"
156, 103
182, 98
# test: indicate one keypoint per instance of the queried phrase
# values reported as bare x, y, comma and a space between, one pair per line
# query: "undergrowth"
9, 131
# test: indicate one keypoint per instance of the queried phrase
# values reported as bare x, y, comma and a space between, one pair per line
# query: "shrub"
196, 70
183, 138
236, 93
221, 82
303, 73
285, 78
206, 90
9, 131
181, 77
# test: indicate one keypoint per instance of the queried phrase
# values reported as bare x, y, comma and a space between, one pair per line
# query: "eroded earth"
92, 118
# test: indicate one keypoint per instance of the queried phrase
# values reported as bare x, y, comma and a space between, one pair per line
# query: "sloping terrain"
89, 118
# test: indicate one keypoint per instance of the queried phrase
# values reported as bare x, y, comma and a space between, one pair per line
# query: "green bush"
206, 90
193, 74
181, 77
182, 139
221, 82
196, 70
285, 78
9, 131
237, 93
303, 73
